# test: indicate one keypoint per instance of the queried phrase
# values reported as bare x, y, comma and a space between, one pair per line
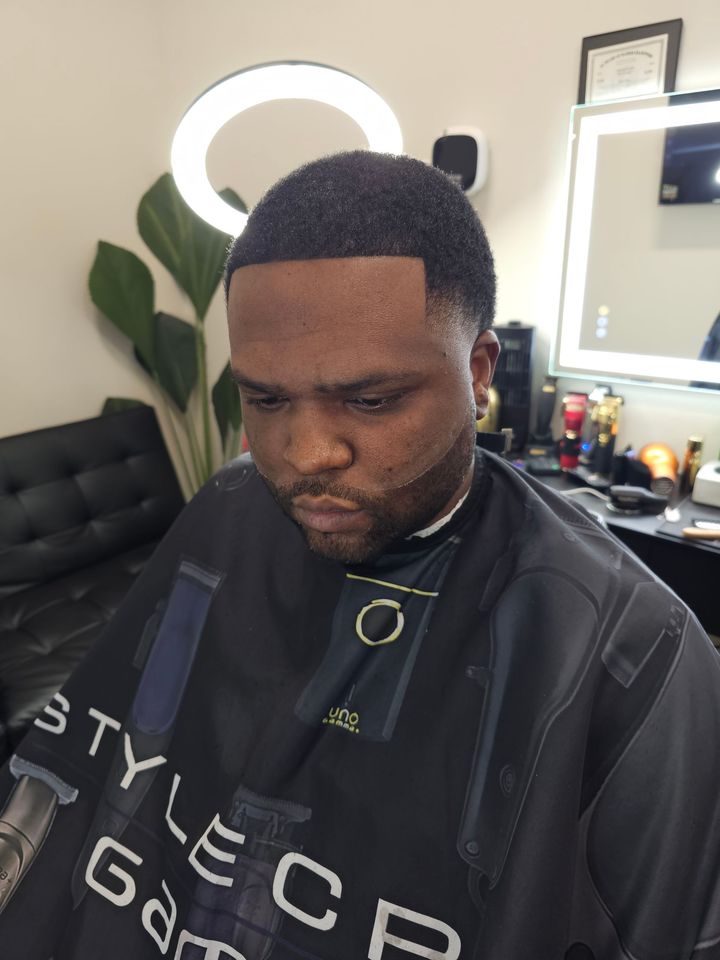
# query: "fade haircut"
363, 204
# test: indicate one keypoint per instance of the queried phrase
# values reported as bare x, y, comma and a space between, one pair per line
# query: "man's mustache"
322, 488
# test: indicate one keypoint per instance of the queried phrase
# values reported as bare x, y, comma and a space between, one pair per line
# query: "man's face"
360, 414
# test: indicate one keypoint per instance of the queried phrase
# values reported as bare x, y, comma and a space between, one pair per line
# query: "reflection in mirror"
641, 272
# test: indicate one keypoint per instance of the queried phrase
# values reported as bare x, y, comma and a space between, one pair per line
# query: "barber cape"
498, 742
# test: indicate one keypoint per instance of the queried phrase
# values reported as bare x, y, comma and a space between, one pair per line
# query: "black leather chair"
82, 506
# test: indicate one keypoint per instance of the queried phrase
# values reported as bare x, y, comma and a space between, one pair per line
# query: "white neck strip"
439, 524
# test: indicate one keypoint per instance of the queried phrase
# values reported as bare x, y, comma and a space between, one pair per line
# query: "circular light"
248, 88
717, 175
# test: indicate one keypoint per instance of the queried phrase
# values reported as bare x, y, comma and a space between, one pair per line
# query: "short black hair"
364, 204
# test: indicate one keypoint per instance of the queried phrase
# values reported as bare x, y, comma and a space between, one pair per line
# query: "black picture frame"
673, 30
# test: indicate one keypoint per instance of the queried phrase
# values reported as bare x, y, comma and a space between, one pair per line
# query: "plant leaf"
175, 357
139, 358
226, 401
118, 404
192, 250
122, 287
203, 257
161, 222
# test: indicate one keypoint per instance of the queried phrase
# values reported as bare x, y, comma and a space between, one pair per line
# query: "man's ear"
483, 358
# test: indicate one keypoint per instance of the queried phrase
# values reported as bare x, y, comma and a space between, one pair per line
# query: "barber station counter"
689, 567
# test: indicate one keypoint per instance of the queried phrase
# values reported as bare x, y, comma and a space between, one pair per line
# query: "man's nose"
315, 445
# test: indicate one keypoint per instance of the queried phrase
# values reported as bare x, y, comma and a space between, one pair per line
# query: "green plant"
170, 350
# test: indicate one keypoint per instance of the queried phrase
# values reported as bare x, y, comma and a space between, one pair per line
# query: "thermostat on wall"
462, 152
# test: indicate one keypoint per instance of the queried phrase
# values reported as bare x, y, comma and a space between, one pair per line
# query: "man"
377, 694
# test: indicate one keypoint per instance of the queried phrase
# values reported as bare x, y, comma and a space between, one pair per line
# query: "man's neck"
453, 505
439, 524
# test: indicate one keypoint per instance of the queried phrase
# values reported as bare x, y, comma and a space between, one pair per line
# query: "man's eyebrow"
242, 381
379, 379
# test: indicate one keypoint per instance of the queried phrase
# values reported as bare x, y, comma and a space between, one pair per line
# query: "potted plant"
172, 351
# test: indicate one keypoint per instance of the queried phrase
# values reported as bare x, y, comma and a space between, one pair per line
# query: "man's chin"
343, 547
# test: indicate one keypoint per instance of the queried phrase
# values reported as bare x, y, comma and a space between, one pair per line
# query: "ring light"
248, 88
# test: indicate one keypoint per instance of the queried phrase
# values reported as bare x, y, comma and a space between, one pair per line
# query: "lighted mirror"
641, 273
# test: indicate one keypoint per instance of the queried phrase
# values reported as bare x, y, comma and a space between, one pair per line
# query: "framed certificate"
638, 62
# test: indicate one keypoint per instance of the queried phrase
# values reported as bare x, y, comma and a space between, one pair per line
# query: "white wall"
92, 91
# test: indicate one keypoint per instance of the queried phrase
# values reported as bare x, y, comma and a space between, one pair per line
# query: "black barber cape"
498, 742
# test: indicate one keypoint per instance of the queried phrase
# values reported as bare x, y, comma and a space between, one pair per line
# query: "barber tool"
605, 418
691, 465
663, 466
590, 428
513, 377
462, 153
595, 467
540, 457
634, 500
507, 432
629, 470
707, 484
574, 405
700, 533
489, 423
541, 463
25, 821
542, 434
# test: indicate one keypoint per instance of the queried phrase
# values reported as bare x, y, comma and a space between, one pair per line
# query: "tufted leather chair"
81, 508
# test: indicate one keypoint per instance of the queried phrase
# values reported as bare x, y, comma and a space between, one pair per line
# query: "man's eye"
373, 403
265, 403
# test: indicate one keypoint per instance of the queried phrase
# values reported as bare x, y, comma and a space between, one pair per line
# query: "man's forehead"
330, 326
352, 281
366, 302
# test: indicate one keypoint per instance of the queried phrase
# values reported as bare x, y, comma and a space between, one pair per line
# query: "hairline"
436, 302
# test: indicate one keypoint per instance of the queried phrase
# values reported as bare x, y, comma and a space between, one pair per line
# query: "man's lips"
328, 515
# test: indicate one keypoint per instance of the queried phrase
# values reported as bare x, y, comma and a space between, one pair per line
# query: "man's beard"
395, 514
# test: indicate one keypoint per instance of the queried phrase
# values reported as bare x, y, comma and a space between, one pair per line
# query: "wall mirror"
641, 270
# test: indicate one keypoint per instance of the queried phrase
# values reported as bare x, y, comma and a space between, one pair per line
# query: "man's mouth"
329, 515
